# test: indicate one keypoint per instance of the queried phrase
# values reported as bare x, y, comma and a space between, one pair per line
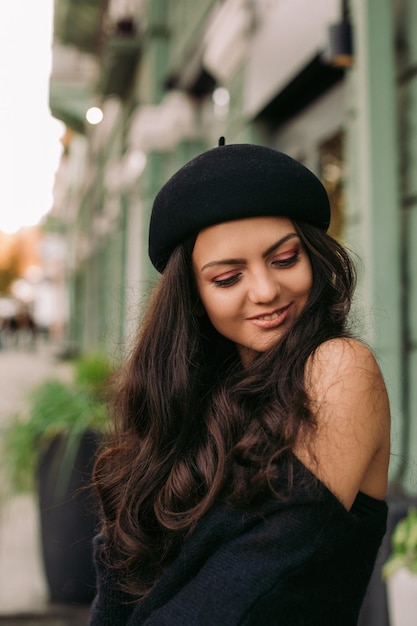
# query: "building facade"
332, 83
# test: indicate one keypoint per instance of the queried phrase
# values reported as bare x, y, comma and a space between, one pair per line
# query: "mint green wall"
187, 20
373, 196
148, 90
407, 106
96, 292
111, 272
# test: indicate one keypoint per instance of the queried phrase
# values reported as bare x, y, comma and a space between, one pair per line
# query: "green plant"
57, 408
404, 546
92, 373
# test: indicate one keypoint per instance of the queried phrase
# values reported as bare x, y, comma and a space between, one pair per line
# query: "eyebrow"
267, 252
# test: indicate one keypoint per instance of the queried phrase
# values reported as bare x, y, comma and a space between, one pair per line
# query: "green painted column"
407, 80
373, 198
154, 175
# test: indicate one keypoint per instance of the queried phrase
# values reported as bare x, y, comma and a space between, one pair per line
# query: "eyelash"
279, 264
227, 282
289, 262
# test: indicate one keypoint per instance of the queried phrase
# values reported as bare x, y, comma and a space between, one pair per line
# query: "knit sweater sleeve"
304, 561
307, 564
111, 607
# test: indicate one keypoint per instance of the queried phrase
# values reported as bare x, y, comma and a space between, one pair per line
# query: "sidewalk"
22, 584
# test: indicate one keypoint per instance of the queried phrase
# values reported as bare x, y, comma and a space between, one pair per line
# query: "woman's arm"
349, 449
111, 607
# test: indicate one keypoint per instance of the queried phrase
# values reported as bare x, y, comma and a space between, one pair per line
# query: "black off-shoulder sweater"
303, 562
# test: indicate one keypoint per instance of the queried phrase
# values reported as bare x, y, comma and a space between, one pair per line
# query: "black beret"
229, 183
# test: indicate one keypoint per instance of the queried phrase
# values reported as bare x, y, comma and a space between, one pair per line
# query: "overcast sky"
29, 136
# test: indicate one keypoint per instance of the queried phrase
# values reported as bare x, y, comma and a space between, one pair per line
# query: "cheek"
305, 280
215, 307
309, 283
220, 307
299, 288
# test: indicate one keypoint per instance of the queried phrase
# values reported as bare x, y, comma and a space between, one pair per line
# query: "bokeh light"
94, 115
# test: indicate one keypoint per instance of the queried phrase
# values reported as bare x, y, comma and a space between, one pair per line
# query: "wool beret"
231, 182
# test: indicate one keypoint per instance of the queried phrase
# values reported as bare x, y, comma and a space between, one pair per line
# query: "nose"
264, 287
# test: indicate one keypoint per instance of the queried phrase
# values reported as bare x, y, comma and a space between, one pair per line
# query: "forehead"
242, 235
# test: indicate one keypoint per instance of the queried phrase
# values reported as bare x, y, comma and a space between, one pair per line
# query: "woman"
246, 479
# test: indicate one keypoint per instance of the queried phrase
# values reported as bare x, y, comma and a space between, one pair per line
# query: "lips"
272, 319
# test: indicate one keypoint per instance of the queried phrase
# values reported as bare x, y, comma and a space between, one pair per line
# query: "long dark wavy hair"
193, 427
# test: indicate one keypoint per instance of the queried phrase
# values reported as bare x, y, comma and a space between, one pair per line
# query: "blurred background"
102, 100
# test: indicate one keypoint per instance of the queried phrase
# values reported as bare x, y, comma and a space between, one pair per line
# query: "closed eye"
286, 261
226, 282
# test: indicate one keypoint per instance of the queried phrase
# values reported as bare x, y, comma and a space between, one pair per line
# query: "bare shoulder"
341, 354
340, 367
349, 450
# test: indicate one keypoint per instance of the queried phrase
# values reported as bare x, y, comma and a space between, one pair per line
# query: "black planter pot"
68, 519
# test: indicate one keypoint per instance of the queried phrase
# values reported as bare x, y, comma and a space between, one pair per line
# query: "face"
254, 278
